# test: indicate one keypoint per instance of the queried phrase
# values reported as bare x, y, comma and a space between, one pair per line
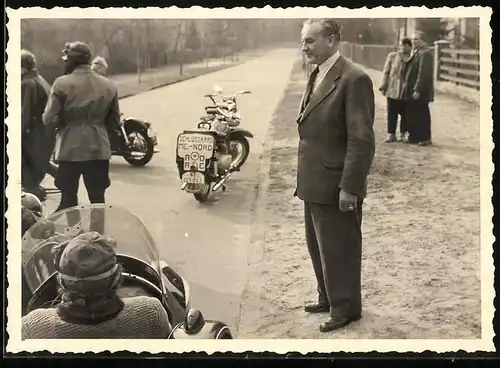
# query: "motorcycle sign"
195, 149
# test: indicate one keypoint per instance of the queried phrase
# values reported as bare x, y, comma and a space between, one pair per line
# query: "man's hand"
347, 201
415, 95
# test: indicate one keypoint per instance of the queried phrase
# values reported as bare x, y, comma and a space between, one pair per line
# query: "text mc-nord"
196, 147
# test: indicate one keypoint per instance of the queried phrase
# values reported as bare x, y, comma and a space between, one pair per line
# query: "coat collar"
33, 73
81, 69
326, 87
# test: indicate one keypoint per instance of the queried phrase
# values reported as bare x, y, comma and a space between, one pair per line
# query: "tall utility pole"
397, 29
135, 30
177, 46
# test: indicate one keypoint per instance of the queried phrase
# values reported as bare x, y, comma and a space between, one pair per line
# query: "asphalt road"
207, 243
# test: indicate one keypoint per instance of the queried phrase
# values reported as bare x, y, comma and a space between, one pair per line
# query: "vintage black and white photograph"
320, 175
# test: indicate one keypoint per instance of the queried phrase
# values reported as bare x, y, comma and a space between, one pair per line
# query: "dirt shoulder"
421, 268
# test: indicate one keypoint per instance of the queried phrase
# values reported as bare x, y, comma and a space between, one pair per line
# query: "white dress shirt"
324, 68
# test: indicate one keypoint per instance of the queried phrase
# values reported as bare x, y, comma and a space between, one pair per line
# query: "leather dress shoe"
334, 323
316, 308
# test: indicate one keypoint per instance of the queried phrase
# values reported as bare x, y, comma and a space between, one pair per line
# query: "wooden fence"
458, 66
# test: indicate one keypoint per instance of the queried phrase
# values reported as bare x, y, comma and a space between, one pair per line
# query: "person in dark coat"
81, 105
391, 88
418, 91
335, 153
37, 141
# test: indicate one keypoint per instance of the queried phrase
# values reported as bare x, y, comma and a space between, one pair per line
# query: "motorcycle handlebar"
230, 97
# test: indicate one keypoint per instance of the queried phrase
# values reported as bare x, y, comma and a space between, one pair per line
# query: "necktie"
310, 86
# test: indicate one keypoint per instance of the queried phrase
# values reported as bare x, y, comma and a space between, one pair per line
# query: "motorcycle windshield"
127, 230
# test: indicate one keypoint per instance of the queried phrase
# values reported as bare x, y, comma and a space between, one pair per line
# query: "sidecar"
144, 273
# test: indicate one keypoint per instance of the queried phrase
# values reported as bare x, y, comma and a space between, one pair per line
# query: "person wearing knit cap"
100, 66
37, 142
89, 277
82, 106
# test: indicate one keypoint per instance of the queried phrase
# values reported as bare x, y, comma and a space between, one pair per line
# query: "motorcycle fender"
136, 122
243, 132
141, 125
212, 330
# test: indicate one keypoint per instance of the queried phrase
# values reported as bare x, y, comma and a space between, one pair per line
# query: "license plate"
193, 178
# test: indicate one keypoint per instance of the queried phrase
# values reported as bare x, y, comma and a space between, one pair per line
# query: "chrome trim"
132, 276
221, 330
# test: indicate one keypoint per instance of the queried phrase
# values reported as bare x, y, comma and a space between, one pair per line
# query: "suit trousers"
334, 242
418, 120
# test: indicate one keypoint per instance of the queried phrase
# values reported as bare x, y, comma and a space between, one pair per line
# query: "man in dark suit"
418, 91
336, 150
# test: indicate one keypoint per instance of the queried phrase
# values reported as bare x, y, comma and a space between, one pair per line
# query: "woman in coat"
392, 88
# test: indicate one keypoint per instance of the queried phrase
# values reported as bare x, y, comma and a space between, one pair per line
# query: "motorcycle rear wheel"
203, 196
148, 152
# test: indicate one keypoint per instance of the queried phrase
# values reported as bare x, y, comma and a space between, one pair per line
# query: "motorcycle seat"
211, 110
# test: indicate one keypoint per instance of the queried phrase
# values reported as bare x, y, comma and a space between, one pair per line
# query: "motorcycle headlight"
204, 126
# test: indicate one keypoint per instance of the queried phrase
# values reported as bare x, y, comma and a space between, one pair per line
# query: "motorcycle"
144, 272
134, 140
207, 157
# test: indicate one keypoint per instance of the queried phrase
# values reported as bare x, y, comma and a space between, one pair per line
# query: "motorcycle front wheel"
140, 143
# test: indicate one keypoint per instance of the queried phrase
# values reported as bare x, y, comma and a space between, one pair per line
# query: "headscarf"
28, 60
99, 65
89, 275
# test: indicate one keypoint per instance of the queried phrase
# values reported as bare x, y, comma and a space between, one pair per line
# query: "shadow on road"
215, 305
235, 203
149, 175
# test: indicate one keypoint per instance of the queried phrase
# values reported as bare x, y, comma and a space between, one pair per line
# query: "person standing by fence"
391, 88
418, 91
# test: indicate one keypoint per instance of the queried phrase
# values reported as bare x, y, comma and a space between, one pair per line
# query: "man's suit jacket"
419, 75
337, 143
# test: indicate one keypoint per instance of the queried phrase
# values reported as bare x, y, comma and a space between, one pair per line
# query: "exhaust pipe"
184, 185
222, 181
224, 178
